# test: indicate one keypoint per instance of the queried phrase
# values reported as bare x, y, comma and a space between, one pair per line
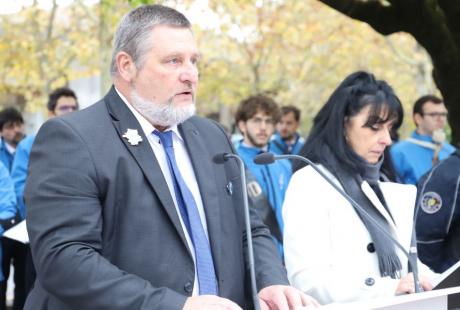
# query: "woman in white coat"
332, 251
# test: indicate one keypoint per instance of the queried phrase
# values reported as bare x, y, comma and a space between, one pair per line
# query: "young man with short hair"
286, 139
415, 156
11, 132
256, 118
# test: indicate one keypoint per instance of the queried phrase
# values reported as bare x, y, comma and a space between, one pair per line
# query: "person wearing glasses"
61, 101
415, 156
256, 117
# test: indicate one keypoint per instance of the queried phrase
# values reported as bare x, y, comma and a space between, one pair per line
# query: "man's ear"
126, 67
242, 127
418, 118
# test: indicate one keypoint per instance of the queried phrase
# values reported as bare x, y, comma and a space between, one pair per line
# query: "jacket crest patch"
431, 202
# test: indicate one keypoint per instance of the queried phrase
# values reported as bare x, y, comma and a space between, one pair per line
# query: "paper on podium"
18, 232
432, 300
449, 278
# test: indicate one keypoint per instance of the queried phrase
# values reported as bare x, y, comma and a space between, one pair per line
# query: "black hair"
291, 109
10, 114
418, 105
356, 91
58, 93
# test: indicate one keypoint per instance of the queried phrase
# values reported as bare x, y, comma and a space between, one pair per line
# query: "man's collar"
260, 149
10, 149
418, 136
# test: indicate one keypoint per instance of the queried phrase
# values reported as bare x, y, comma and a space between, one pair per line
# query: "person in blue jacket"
7, 204
256, 117
413, 157
61, 101
19, 171
11, 132
286, 139
437, 216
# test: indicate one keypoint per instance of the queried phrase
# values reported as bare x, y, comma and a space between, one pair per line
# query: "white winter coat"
328, 249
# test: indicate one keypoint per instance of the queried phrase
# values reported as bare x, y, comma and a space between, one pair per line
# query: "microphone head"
264, 158
220, 158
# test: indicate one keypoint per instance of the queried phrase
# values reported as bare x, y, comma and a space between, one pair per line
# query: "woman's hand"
406, 284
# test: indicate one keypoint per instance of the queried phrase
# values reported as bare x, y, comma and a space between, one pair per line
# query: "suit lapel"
369, 192
203, 169
123, 119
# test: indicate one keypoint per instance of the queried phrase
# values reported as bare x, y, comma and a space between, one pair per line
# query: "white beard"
163, 114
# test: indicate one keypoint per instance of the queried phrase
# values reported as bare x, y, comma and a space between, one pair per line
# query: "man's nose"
190, 73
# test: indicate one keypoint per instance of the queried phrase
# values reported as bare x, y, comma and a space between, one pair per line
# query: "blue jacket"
273, 179
438, 215
411, 161
5, 157
19, 171
280, 147
7, 200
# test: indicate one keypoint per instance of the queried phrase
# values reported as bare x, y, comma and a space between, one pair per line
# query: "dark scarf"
389, 263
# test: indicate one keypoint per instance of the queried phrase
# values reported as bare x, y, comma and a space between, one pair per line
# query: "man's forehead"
262, 114
174, 36
434, 106
289, 114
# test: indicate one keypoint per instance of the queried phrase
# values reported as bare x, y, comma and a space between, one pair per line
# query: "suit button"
188, 287
369, 281
370, 248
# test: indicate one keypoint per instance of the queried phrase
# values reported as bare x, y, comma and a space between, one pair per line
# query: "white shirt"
9, 148
186, 170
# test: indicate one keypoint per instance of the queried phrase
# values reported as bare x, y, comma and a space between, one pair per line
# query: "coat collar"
372, 196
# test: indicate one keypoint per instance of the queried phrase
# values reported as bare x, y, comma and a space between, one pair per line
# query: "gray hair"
132, 35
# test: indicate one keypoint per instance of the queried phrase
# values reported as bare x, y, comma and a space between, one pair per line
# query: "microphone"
268, 158
220, 159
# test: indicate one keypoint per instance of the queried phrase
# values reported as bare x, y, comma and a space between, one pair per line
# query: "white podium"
443, 299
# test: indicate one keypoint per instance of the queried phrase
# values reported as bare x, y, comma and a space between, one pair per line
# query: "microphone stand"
267, 158
247, 221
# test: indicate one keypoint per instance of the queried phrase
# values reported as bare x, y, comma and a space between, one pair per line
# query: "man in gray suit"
126, 207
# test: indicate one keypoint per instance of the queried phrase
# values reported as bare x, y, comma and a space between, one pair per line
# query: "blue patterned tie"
189, 213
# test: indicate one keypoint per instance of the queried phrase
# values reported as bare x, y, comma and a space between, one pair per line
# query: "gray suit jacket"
103, 227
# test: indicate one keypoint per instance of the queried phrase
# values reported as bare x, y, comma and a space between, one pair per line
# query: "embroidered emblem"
431, 202
133, 136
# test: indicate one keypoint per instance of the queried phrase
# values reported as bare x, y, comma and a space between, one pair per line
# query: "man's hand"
282, 297
209, 302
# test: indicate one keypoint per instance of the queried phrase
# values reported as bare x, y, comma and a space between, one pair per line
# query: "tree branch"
383, 18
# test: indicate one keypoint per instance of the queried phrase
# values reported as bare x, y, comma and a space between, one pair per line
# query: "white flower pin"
133, 136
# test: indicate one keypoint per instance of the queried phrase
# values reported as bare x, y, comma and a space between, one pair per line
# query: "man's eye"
174, 61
